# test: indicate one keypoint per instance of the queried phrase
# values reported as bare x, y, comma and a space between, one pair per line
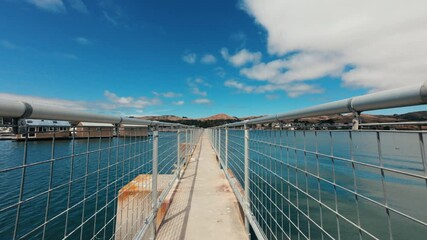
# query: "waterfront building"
128, 130
42, 129
93, 130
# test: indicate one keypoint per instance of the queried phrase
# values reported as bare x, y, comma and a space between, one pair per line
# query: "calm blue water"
276, 172
281, 183
98, 170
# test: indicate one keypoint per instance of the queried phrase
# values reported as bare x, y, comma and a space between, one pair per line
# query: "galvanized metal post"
356, 121
226, 150
192, 139
217, 140
214, 139
178, 153
219, 145
247, 201
186, 144
154, 179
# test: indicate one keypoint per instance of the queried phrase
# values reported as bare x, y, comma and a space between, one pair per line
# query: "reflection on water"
97, 170
293, 192
304, 184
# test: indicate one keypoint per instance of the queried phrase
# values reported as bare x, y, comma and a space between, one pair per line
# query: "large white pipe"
18, 109
400, 97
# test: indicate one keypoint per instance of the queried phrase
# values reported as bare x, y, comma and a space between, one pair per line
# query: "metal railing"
95, 181
329, 184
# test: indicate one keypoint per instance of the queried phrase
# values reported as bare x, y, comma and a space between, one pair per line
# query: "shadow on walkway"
175, 223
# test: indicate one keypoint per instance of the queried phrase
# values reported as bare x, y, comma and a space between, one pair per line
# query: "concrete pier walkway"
203, 205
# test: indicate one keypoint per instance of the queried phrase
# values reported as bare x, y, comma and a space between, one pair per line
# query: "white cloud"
202, 101
295, 68
242, 57
131, 102
190, 58
171, 95
202, 82
264, 71
197, 91
195, 85
178, 103
168, 94
293, 89
382, 41
208, 59
239, 85
82, 41
49, 5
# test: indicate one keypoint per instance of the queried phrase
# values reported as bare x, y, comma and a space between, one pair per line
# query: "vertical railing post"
226, 150
186, 144
217, 140
154, 178
192, 139
178, 153
247, 177
214, 138
219, 145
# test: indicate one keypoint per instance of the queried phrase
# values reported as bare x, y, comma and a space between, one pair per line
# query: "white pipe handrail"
15, 108
400, 97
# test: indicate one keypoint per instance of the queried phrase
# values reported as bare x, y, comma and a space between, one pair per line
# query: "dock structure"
203, 203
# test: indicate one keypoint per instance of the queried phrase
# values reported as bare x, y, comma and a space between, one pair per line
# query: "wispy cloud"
202, 101
195, 86
293, 90
202, 82
178, 103
208, 59
197, 91
115, 14
242, 57
110, 18
28, 49
190, 58
55, 6
168, 94
131, 102
78, 5
7, 44
239, 86
220, 72
239, 37
66, 55
82, 41
272, 96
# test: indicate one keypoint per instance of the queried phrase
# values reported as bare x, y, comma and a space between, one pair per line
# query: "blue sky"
195, 58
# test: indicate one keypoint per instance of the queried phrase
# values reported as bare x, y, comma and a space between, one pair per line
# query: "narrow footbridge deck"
203, 205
